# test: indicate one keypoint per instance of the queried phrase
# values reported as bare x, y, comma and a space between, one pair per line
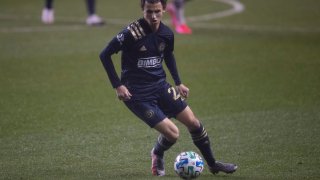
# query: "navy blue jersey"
143, 52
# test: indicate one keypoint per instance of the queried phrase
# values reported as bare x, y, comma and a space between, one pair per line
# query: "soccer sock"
201, 140
162, 145
48, 4
91, 7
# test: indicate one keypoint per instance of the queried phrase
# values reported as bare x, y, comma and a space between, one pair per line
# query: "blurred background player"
92, 20
176, 11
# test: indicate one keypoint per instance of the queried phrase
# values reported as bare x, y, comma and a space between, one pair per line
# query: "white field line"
50, 28
198, 22
255, 28
237, 7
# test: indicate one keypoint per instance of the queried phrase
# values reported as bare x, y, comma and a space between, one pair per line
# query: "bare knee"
173, 135
188, 118
194, 124
168, 129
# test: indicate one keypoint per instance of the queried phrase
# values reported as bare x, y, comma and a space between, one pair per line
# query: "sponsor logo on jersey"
149, 62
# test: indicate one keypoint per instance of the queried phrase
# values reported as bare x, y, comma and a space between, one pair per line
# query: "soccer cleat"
157, 165
223, 167
47, 16
183, 29
94, 20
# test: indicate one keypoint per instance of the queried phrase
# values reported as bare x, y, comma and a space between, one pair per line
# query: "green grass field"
254, 78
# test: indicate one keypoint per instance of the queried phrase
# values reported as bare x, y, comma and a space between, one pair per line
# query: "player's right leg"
149, 112
47, 16
169, 134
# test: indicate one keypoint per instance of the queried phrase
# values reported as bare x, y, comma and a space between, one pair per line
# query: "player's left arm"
183, 90
170, 61
172, 66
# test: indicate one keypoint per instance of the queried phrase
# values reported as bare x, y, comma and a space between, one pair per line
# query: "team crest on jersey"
162, 46
149, 114
120, 38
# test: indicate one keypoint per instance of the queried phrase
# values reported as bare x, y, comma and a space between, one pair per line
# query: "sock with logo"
201, 140
162, 145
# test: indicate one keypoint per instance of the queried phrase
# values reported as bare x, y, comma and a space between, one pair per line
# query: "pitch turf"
254, 80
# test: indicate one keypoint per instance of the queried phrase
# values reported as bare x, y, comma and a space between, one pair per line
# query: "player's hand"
123, 93
183, 90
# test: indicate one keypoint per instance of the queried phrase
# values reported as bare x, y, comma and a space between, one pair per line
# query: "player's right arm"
123, 93
118, 43
105, 57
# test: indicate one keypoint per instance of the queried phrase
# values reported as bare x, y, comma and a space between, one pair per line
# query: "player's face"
153, 14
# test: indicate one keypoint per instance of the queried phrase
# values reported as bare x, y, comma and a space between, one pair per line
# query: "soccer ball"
188, 165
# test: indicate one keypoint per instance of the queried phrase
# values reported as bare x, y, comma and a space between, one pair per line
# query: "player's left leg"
198, 133
93, 19
201, 140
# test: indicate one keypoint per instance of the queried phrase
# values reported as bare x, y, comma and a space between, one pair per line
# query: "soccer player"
47, 16
143, 88
176, 11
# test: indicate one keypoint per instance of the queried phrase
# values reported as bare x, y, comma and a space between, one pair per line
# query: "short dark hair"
163, 2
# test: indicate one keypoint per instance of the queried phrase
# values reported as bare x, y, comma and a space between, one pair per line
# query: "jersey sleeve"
172, 66
171, 61
118, 43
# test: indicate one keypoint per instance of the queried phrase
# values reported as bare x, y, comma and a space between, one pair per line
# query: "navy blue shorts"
166, 103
